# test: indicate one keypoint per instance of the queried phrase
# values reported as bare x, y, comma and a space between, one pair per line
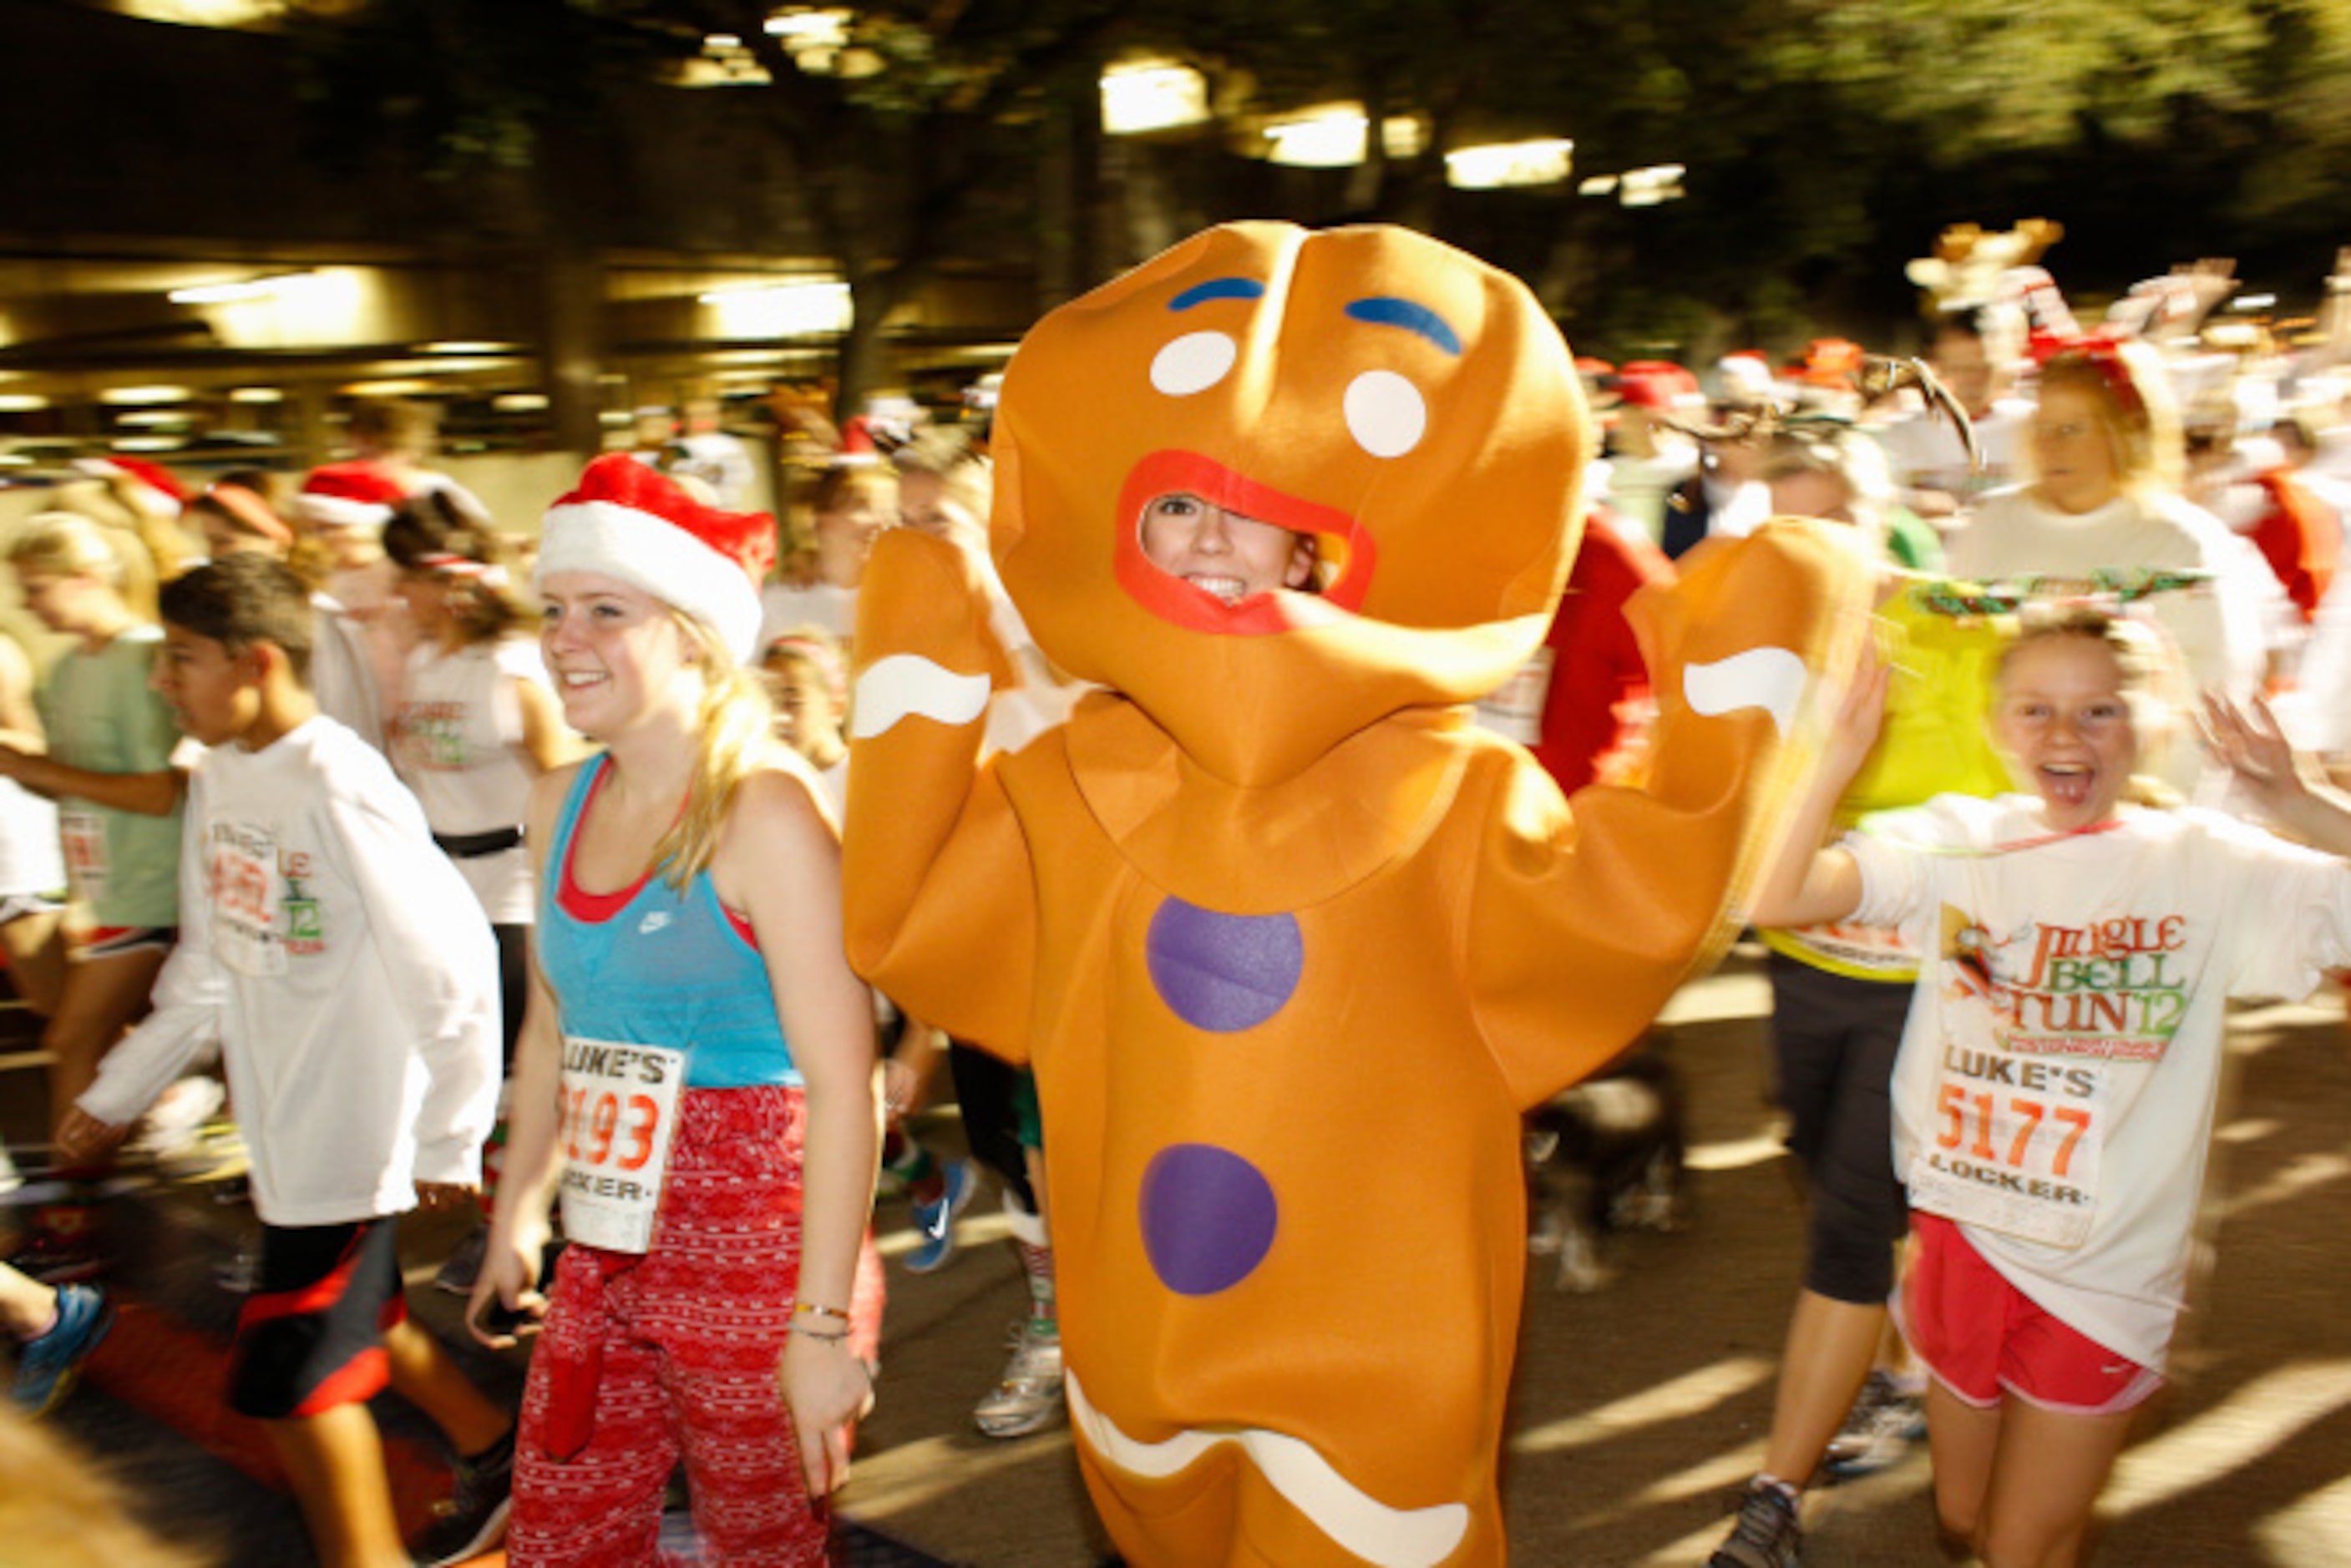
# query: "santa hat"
153, 483
627, 520
1659, 385
348, 496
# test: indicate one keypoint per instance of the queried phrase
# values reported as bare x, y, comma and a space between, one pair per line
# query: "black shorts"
310, 1337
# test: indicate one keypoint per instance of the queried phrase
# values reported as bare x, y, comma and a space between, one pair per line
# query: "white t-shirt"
2058, 1074
343, 672
2217, 629
460, 749
346, 969
1927, 453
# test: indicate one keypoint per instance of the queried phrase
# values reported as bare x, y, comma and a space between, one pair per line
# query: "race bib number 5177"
2016, 1144
618, 1112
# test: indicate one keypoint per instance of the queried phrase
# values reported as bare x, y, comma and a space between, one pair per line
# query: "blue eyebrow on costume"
1218, 289
1385, 310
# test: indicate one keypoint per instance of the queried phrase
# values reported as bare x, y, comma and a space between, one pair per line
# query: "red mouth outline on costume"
1173, 600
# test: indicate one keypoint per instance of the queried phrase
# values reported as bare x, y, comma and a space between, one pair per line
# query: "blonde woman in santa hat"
695, 1073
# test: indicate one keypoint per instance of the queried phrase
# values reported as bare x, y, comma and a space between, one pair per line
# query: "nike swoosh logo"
1386, 1537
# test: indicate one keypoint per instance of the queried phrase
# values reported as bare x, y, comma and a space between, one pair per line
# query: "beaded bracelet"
834, 1338
813, 1310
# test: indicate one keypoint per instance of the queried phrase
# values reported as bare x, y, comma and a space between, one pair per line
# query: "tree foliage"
1826, 139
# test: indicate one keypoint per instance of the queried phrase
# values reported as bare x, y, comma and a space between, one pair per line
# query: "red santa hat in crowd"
348, 496
150, 484
629, 522
1659, 385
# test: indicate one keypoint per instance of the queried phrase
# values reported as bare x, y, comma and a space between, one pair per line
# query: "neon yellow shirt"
1936, 740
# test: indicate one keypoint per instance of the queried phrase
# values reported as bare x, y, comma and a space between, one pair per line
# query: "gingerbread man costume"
1287, 942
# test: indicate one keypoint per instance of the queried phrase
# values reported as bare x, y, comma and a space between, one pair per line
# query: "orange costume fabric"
1290, 944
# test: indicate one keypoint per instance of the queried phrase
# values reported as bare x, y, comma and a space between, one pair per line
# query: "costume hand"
506, 1305
826, 1389
82, 1136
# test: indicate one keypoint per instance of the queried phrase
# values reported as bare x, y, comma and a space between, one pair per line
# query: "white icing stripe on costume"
906, 683
1772, 679
1388, 1537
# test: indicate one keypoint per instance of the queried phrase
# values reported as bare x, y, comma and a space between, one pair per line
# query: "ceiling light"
247, 288
256, 395
1510, 164
1151, 95
139, 397
781, 310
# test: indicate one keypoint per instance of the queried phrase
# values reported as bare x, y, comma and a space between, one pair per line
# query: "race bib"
84, 836
2015, 1144
241, 866
619, 1112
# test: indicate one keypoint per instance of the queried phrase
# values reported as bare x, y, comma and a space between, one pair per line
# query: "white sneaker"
1028, 1397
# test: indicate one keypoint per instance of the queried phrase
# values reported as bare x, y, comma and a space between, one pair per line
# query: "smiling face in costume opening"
1223, 554
1411, 410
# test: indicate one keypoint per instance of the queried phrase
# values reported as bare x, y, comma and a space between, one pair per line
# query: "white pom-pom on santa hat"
348, 496
629, 522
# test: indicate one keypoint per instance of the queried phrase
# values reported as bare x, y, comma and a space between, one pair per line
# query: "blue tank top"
655, 967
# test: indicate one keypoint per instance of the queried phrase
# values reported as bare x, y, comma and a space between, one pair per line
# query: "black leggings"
1834, 1040
985, 1088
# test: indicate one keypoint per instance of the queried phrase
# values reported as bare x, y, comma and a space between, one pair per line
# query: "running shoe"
1028, 1397
47, 1367
1769, 1533
474, 1518
935, 1221
1883, 1424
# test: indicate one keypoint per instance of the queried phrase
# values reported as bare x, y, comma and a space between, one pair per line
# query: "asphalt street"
1638, 1409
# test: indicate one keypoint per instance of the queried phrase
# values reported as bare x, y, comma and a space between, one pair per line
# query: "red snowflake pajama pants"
647, 1360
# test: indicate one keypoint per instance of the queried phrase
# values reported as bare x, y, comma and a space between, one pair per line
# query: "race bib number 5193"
619, 1112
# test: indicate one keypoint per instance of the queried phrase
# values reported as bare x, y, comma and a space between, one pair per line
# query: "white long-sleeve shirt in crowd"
347, 969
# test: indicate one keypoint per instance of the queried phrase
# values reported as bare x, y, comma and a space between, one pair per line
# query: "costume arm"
939, 890
1582, 923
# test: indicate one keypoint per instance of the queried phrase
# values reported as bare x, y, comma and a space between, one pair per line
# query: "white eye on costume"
1194, 363
1386, 414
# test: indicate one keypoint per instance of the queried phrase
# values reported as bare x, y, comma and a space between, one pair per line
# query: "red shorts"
114, 942
310, 1337
1979, 1336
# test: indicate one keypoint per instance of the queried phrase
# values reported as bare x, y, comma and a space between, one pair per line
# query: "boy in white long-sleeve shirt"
352, 978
